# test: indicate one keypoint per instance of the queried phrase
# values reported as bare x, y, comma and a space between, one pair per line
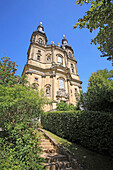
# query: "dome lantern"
40, 27
64, 40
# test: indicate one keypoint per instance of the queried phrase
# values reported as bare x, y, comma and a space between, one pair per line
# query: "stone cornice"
49, 70
75, 80
72, 59
39, 61
49, 47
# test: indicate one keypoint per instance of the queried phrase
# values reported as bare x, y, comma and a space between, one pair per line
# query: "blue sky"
19, 18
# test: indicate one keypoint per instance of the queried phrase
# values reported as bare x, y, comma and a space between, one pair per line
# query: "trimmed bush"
93, 130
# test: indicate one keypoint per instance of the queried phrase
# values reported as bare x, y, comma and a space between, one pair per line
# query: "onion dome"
65, 43
40, 28
40, 31
64, 40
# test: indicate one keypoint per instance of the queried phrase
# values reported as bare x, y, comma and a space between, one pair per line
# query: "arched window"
70, 54
36, 79
71, 65
39, 51
60, 60
47, 91
33, 39
38, 57
72, 68
75, 89
61, 83
48, 58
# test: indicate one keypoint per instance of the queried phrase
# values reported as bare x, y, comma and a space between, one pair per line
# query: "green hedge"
93, 130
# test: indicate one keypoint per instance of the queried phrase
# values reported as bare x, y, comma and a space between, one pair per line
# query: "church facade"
52, 68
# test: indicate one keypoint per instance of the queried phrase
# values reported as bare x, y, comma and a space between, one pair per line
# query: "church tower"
53, 69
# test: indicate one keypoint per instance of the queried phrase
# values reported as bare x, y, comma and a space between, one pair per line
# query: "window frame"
61, 58
48, 86
72, 70
38, 57
70, 54
36, 79
60, 83
40, 41
48, 58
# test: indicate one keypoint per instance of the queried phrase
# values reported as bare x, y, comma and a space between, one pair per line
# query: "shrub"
19, 149
62, 106
19, 103
93, 130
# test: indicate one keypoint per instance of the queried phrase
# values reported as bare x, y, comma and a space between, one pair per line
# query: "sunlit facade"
52, 68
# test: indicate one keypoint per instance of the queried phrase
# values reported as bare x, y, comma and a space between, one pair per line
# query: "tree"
17, 101
19, 105
100, 17
7, 73
19, 143
99, 95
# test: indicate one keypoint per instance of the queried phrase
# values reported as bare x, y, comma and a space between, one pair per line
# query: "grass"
89, 159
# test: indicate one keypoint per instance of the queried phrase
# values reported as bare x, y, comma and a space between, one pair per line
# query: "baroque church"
52, 68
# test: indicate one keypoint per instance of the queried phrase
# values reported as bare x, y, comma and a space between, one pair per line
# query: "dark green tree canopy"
100, 17
99, 95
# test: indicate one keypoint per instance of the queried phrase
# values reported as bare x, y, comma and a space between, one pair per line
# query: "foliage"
59, 122
19, 103
7, 73
100, 17
93, 130
85, 156
62, 106
99, 95
20, 147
